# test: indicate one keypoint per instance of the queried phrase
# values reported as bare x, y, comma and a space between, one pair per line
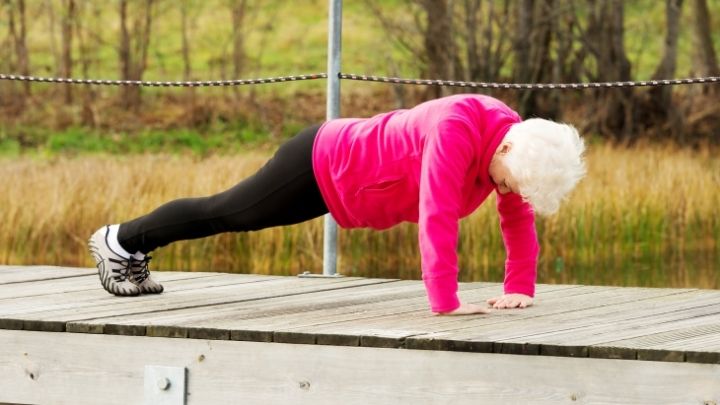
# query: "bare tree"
53, 34
611, 112
86, 14
667, 66
187, 65
239, 9
439, 44
487, 38
18, 32
532, 45
68, 21
661, 101
705, 52
133, 50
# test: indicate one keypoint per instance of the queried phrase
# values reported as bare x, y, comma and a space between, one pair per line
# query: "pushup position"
432, 165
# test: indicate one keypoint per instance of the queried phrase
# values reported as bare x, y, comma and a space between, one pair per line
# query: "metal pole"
332, 111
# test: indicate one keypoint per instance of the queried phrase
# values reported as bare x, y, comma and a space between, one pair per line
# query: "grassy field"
645, 215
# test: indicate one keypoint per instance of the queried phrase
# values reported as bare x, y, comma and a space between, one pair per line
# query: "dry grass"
646, 215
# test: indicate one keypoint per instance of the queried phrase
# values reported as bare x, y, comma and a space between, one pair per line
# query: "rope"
207, 83
529, 86
382, 79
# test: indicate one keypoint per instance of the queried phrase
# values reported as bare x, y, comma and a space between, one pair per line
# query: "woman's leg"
282, 192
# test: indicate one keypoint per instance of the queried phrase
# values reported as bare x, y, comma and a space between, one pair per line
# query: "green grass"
78, 140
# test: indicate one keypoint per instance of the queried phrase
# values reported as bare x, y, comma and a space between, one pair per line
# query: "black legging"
283, 192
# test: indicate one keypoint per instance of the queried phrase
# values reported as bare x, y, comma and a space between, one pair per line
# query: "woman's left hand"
511, 301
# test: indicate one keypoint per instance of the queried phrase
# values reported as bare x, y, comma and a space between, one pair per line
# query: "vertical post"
332, 111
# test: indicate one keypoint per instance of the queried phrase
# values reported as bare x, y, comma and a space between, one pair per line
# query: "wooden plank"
73, 284
574, 334
97, 296
91, 369
21, 274
258, 319
578, 321
85, 305
32, 317
549, 317
631, 319
671, 345
267, 324
412, 327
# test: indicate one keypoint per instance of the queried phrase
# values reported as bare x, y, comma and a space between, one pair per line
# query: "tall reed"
645, 215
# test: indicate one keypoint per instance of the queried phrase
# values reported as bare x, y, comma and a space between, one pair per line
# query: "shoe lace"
140, 271
122, 272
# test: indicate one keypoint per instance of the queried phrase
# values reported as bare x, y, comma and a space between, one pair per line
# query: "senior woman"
432, 165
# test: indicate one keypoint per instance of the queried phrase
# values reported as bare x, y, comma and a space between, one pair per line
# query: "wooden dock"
254, 339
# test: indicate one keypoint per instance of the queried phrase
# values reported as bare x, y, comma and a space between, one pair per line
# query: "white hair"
546, 160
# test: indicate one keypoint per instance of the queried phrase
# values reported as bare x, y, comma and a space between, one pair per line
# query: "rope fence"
205, 83
368, 78
530, 86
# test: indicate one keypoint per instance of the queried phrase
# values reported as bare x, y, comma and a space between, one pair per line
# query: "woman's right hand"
467, 309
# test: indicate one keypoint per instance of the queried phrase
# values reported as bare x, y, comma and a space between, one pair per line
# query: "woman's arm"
517, 222
447, 155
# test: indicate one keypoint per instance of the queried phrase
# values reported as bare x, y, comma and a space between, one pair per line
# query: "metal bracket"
307, 274
165, 385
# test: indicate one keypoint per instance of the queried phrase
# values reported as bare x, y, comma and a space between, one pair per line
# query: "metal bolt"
573, 397
163, 384
305, 385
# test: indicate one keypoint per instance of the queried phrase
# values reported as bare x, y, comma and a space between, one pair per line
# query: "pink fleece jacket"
427, 165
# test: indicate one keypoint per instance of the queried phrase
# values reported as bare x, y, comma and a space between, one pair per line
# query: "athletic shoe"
113, 268
140, 276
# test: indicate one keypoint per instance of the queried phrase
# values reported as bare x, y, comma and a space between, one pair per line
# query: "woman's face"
500, 174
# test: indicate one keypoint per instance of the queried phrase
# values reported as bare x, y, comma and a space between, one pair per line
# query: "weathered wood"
91, 369
266, 314
563, 315
71, 306
70, 284
666, 325
99, 298
20, 274
420, 325
671, 345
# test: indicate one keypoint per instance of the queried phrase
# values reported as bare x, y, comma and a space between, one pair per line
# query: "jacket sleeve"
517, 222
447, 156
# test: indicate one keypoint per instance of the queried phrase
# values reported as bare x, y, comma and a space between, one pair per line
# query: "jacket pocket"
384, 203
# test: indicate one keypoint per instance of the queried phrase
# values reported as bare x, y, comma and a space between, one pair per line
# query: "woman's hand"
511, 301
467, 309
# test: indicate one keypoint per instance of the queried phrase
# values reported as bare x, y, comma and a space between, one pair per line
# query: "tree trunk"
532, 52
238, 16
17, 33
6, 63
439, 44
187, 66
124, 54
474, 66
133, 50
707, 63
661, 97
52, 36
238, 9
68, 20
23, 59
88, 115
521, 67
611, 112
